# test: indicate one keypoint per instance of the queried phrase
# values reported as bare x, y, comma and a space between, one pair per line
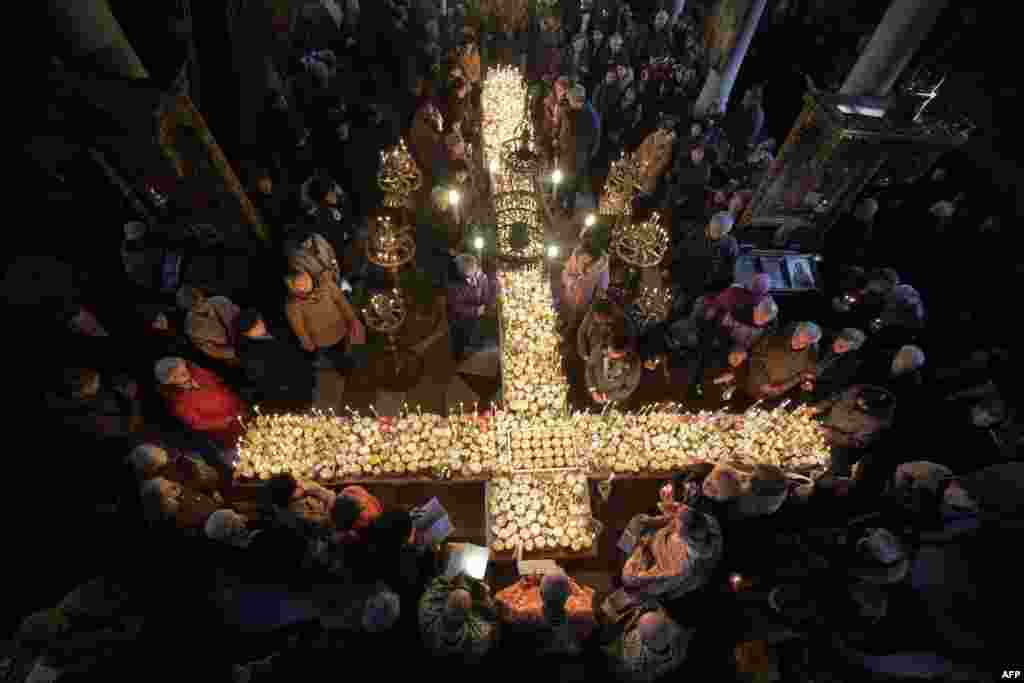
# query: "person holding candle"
585, 274
778, 362
468, 300
614, 373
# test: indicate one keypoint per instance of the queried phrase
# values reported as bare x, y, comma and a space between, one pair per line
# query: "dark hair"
76, 379
247, 320
280, 489
345, 513
620, 338
877, 401
319, 187
389, 531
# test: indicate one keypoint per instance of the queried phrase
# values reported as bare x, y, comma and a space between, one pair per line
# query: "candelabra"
619, 189
390, 246
385, 314
643, 244
399, 176
653, 305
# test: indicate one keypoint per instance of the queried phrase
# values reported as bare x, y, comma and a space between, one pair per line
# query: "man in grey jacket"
613, 373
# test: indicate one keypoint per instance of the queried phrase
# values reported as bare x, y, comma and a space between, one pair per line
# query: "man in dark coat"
278, 374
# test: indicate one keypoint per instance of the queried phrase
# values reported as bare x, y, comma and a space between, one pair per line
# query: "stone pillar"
92, 30
902, 30
719, 83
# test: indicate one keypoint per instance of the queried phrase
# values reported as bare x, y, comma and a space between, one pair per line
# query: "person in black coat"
277, 371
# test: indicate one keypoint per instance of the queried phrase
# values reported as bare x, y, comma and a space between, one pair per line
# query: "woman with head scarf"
838, 365
675, 553
854, 420
459, 618
556, 607
585, 273
201, 400
210, 322
649, 647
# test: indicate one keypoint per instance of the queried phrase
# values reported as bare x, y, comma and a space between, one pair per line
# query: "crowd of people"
156, 396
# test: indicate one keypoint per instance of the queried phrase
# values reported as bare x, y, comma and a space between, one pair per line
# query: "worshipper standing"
141, 263
647, 647
737, 295
744, 124
596, 329
780, 361
459, 618
90, 409
211, 324
687, 186
97, 623
269, 201
456, 112
556, 607
324, 203
367, 608
301, 506
165, 501
313, 253
674, 554
838, 366
579, 140
149, 461
201, 400
279, 376
847, 243
426, 140
614, 372
550, 117
585, 275
854, 420
468, 300
355, 509
324, 321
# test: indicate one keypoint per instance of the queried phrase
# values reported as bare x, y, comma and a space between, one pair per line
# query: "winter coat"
616, 378
213, 408
276, 370
465, 297
321, 319
774, 363
212, 327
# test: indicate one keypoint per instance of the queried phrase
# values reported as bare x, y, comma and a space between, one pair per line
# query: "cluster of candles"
653, 305
390, 244
533, 380
642, 244
329, 448
658, 439
504, 105
385, 311
620, 187
398, 175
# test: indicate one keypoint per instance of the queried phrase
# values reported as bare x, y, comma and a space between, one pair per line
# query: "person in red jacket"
201, 400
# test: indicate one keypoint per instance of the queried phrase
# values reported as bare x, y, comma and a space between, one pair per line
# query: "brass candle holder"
643, 244
390, 245
385, 314
399, 176
653, 305
622, 185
